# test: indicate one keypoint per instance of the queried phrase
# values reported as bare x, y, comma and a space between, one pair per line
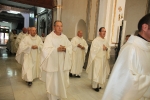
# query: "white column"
103, 11
26, 19
59, 7
93, 20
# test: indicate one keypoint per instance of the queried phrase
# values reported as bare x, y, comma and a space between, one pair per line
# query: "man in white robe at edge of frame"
130, 78
56, 63
79, 50
98, 67
29, 56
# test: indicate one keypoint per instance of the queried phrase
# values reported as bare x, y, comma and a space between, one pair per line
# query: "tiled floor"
12, 87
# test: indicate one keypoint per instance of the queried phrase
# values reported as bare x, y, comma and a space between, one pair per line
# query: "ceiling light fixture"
13, 12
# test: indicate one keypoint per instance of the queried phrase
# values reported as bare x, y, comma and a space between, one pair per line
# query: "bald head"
24, 30
29, 30
33, 31
80, 33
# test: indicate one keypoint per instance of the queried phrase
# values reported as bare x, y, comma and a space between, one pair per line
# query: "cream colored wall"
134, 10
72, 12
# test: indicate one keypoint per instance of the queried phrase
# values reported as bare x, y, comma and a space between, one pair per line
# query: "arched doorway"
81, 25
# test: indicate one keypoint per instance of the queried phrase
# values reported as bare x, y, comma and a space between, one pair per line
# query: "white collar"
138, 41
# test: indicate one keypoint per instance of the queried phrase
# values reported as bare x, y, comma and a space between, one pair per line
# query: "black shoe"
96, 89
70, 74
78, 76
29, 83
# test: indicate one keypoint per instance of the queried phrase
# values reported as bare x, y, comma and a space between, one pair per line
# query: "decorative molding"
148, 7
88, 17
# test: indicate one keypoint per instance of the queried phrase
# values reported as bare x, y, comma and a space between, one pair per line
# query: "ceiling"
15, 4
9, 17
28, 4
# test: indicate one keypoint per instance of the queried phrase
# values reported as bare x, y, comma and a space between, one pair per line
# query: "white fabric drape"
13, 38
130, 78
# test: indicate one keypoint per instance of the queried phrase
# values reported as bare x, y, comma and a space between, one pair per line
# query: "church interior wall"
134, 10
72, 12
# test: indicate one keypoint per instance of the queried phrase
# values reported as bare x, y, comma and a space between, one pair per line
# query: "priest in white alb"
130, 78
29, 56
20, 36
79, 50
98, 67
8, 44
13, 38
56, 63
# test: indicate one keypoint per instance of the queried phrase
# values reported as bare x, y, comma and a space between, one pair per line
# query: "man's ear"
144, 27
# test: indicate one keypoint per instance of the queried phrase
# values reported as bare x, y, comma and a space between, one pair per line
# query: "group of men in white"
57, 57
15, 39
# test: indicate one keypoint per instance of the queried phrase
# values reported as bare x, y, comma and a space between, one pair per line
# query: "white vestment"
30, 58
13, 38
130, 78
78, 55
56, 65
98, 67
19, 38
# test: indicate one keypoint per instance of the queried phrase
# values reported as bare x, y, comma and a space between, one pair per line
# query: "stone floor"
12, 87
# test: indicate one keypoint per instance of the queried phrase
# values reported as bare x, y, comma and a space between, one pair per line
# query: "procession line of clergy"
53, 61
